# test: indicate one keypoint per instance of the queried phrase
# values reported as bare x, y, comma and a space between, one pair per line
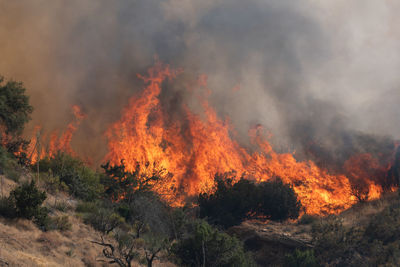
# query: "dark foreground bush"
232, 203
7, 208
27, 199
206, 246
301, 259
25, 202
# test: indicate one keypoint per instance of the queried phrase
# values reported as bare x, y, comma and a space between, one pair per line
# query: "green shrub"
28, 199
86, 207
52, 184
385, 226
82, 182
103, 219
232, 203
301, 259
278, 201
206, 246
7, 208
42, 219
9, 165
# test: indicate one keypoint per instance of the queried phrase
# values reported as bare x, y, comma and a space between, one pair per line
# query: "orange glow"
193, 149
50, 145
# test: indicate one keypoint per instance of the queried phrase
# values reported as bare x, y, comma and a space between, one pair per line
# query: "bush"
232, 203
278, 201
86, 207
9, 165
60, 223
301, 259
82, 182
52, 184
42, 219
7, 208
103, 219
206, 246
62, 206
385, 226
27, 199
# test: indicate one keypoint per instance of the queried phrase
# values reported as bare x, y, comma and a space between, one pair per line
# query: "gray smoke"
320, 75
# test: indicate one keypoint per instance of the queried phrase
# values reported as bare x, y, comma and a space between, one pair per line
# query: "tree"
14, 107
124, 252
122, 184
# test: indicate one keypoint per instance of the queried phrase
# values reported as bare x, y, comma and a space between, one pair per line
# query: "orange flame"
196, 147
41, 146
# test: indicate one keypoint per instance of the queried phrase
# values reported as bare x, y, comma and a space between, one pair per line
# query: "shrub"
82, 182
385, 226
61, 206
278, 201
103, 219
232, 203
52, 184
301, 259
42, 219
206, 246
61, 223
27, 199
7, 208
86, 207
8, 165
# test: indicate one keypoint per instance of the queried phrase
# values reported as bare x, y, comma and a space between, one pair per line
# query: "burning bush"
232, 203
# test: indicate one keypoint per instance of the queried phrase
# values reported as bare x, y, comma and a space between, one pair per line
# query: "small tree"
14, 107
124, 252
120, 183
104, 220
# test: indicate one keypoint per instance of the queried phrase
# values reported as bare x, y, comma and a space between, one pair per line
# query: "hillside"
23, 244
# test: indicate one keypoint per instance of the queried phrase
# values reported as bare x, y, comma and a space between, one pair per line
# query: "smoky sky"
321, 77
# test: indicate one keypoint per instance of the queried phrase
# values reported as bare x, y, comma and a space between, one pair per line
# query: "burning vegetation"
195, 148
187, 153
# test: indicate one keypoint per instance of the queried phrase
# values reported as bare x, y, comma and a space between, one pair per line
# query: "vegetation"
206, 246
63, 170
15, 112
25, 201
232, 203
375, 243
301, 259
9, 165
14, 107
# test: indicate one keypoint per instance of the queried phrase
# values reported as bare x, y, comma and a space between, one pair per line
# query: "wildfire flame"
197, 147
43, 145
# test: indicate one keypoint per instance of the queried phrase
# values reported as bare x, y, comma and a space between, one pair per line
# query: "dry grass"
23, 244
